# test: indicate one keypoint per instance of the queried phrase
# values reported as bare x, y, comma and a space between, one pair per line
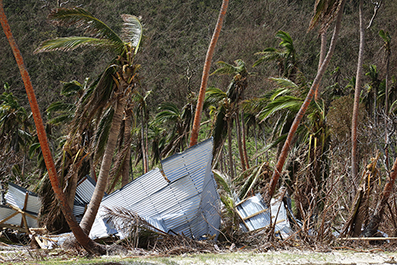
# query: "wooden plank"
22, 212
242, 219
255, 214
8, 218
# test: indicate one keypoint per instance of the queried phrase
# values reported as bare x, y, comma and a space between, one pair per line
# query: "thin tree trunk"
243, 135
305, 105
206, 70
256, 142
92, 209
80, 236
125, 175
357, 97
387, 109
229, 144
323, 50
143, 145
373, 224
239, 143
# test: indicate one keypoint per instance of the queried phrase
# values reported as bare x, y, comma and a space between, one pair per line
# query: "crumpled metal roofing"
256, 215
16, 196
182, 199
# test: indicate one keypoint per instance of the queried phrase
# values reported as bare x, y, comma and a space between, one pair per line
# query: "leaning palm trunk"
206, 70
81, 237
357, 97
305, 105
93, 206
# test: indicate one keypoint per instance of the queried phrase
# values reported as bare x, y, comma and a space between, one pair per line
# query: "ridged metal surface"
85, 189
16, 196
184, 205
256, 204
17, 219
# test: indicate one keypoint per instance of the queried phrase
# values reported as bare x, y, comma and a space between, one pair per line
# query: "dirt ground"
376, 256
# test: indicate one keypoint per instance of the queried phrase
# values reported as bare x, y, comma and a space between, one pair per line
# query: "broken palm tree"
359, 210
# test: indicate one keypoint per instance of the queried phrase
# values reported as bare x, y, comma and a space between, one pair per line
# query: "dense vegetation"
248, 109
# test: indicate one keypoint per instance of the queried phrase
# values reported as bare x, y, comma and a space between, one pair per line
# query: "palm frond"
72, 43
223, 181
224, 69
71, 88
214, 95
284, 83
251, 181
102, 134
132, 30
81, 18
280, 103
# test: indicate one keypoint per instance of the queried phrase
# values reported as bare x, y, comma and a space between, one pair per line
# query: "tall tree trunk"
376, 218
357, 97
143, 145
323, 50
305, 105
206, 70
92, 209
229, 145
239, 143
243, 136
80, 236
125, 175
387, 141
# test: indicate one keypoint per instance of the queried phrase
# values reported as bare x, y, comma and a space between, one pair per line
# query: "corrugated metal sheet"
16, 196
182, 205
85, 189
254, 205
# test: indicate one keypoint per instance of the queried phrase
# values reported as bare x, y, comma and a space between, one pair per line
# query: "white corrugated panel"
176, 206
85, 189
5, 212
254, 205
16, 196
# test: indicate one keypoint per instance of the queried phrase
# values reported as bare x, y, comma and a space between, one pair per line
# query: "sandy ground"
236, 258
289, 257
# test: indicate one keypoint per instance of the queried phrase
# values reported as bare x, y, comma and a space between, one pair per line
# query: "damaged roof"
180, 199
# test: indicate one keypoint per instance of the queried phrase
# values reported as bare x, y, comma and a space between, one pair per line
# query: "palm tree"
169, 113
235, 94
206, 70
113, 88
15, 127
142, 110
81, 237
285, 57
305, 105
